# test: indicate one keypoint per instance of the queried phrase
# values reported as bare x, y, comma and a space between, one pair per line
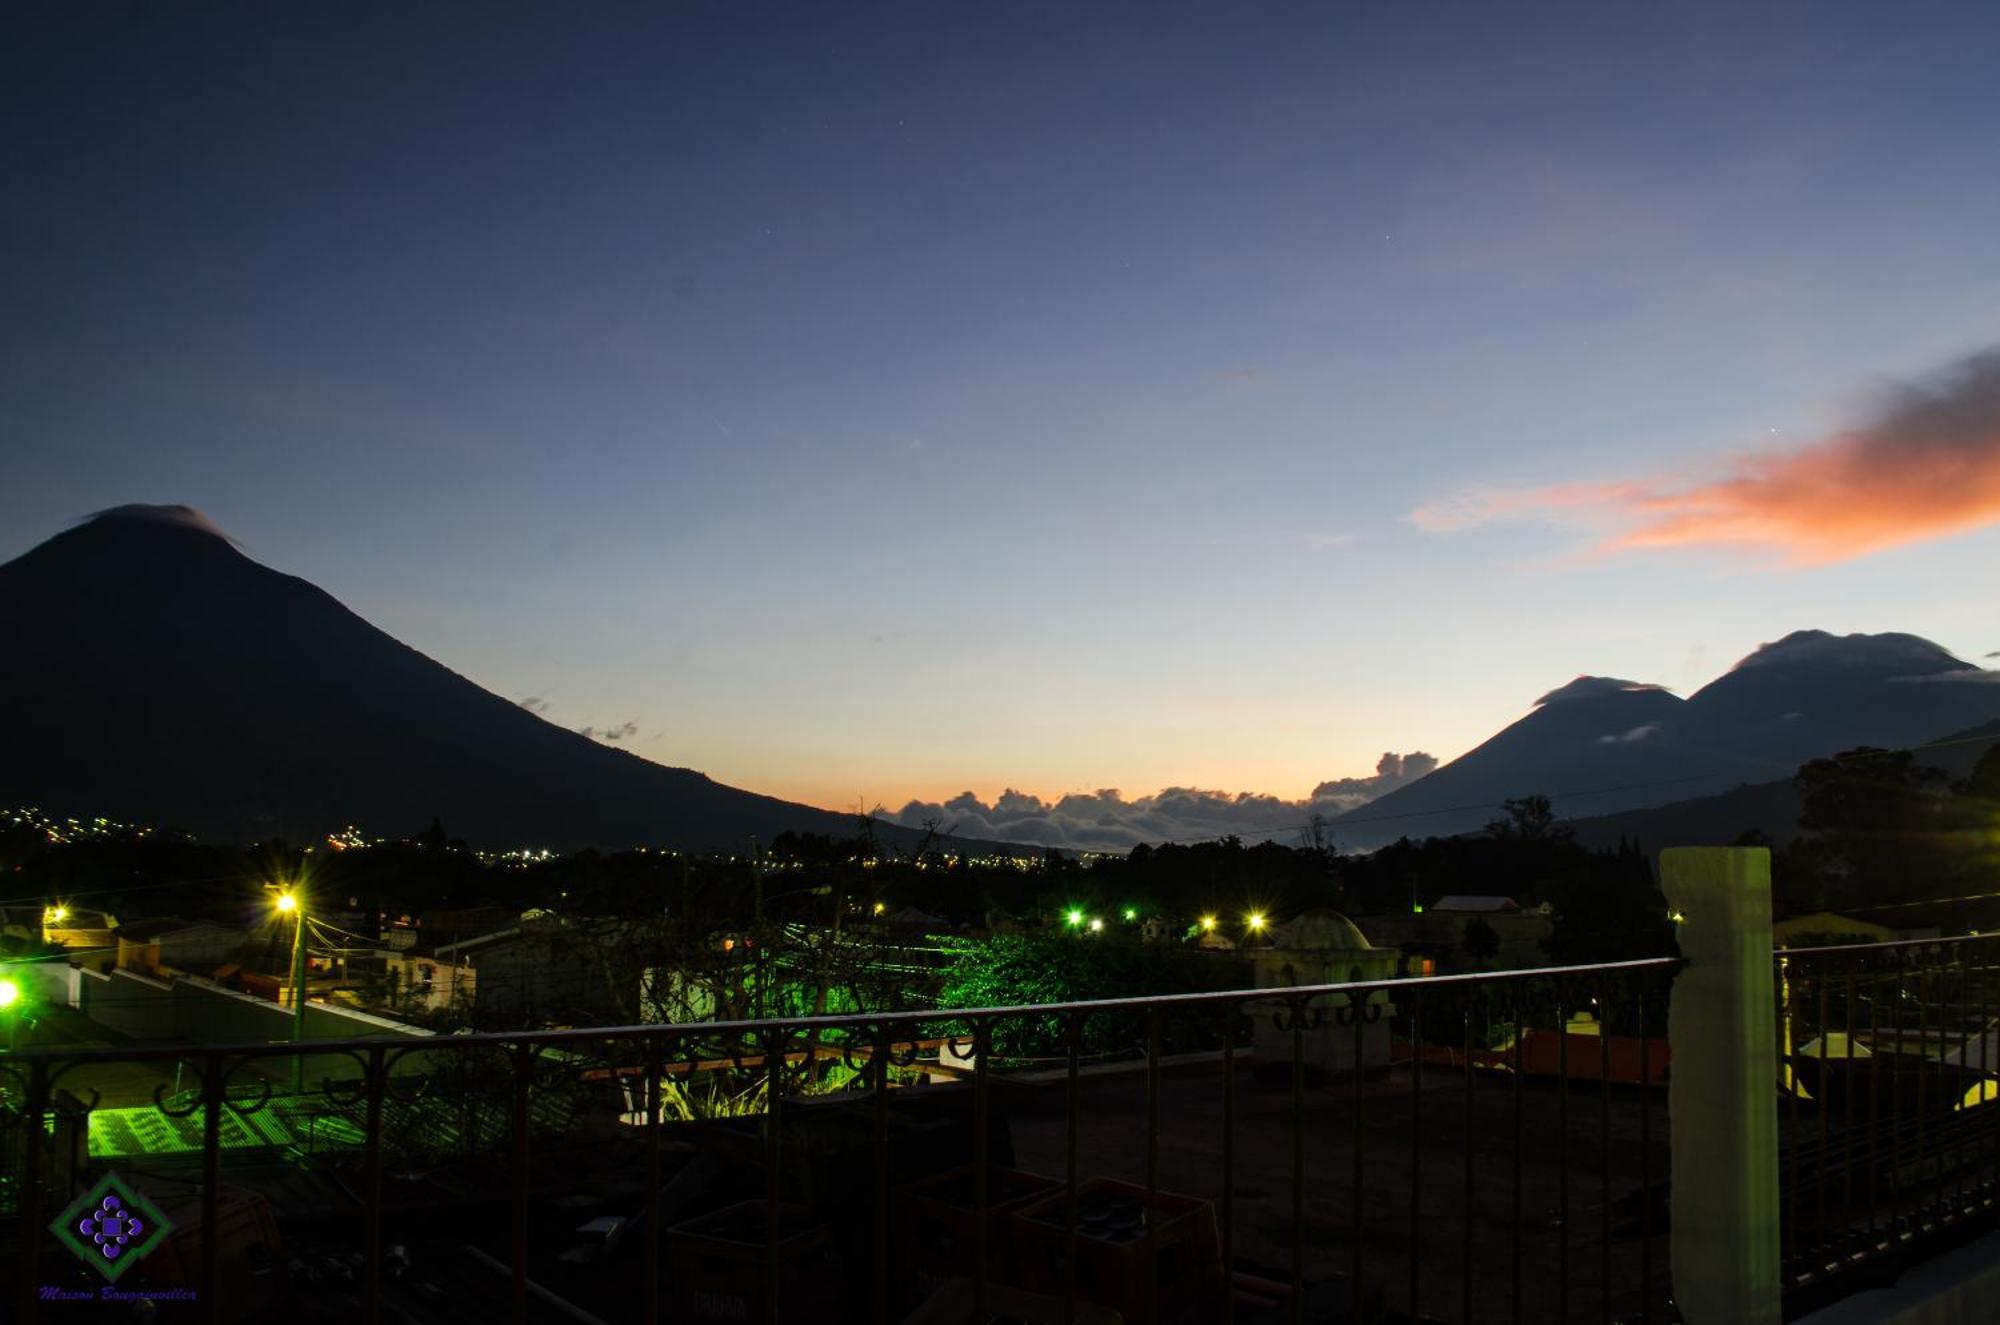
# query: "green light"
1131, 913
1075, 919
9, 993
1416, 908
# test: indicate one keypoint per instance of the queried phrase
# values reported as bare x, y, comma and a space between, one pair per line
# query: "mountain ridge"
1601, 746
146, 691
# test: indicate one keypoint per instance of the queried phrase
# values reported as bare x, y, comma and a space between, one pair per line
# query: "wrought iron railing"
1482, 1147
1889, 1109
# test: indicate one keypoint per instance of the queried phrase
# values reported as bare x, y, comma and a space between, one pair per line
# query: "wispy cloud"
1926, 466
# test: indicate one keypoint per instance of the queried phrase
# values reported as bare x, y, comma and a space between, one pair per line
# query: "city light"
9, 992
1255, 920
287, 903
1208, 924
57, 914
1075, 919
1131, 913
1096, 926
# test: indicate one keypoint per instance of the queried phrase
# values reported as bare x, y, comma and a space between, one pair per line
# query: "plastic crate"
1116, 1257
716, 1269
935, 1233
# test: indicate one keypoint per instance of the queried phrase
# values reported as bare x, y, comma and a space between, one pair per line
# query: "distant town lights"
1131, 913
1096, 925
1255, 920
1208, 924
1074, 919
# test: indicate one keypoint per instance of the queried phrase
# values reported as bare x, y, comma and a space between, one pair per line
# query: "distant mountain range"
155, 674
1601, 745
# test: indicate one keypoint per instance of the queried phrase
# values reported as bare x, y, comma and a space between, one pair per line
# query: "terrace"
1496, 1147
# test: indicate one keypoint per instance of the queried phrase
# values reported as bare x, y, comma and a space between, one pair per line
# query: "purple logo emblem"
111, 1227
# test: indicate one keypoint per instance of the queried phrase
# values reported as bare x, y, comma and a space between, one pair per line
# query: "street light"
1255, 920
10, 994
288, 904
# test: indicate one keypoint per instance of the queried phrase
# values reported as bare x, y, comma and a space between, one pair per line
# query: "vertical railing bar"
214, 1071
1562, 1150
1604, 1146
1956, 1118
1295, 1308
1229, 1163
1926, 1135
1847, 1121
1466, 1231
1416, 1149
1645, 1161
371, 1181
1896, 1106
1359, 1009
1074, 1042
982, 1164
34, 1111
1821, 1180
524, 1055
649, 1292
1788, 1029
1515, 1003
1874, 1100
776, 1040
1991, 1099
1152, 1275
879, 1280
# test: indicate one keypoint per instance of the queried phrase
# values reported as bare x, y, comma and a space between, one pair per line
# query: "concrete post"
1722, 1095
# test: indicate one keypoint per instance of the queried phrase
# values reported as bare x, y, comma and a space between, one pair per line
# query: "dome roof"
1322, 929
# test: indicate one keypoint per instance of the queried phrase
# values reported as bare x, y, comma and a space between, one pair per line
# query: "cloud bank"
1105, 820
1926, 466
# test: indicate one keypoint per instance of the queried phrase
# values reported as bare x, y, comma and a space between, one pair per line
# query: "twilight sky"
873, 402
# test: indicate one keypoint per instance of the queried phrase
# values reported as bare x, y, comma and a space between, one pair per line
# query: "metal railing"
1889, 1109
1470, 1148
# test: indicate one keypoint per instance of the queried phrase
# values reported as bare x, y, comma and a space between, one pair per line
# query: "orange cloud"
1927, 466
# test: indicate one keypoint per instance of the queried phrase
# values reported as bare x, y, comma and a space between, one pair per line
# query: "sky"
875, 403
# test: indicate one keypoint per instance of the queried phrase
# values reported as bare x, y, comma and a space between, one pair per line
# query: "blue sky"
877, 402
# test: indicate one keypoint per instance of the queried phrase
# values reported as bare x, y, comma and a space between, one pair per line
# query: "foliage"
1033, 969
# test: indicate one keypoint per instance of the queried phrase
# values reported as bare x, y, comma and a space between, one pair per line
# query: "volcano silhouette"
1600, 745
155, 674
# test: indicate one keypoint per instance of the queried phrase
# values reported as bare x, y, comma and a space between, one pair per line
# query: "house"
171, 943
421, 980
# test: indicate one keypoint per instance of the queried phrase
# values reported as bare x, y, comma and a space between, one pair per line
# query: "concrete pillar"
1722, 1096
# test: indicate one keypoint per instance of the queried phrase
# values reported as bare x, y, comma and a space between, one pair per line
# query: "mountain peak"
1891, 651
1592, 687
174, 516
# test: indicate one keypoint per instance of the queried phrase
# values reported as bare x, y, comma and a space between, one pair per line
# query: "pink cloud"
1926, 467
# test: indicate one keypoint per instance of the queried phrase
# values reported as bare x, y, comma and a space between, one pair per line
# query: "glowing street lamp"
288, 904
1208, 924
1255, 922
1096, 925
10, 994
1074, 919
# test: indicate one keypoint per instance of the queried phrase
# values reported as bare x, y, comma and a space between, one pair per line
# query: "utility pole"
290, 902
